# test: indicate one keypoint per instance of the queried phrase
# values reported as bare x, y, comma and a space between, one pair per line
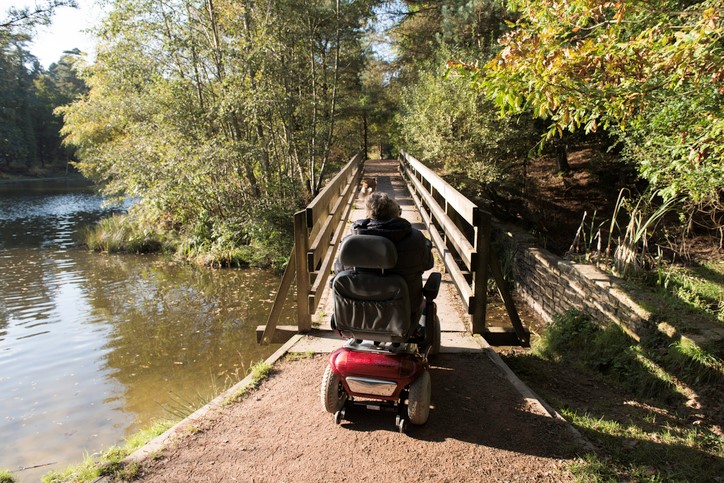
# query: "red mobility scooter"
384, 363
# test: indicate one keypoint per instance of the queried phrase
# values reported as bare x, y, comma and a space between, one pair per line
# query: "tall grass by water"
122, 233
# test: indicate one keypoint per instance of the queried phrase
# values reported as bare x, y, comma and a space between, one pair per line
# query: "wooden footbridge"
459, 229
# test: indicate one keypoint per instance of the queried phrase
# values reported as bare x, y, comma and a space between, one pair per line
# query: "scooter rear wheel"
332, 391
418, 400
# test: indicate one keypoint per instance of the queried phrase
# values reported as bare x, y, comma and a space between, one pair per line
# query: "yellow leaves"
620, 12
565, 117
456, 64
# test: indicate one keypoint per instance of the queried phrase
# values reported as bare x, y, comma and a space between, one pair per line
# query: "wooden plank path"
455, 334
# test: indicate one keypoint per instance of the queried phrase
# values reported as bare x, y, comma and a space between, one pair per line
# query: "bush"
261, 238
443, 119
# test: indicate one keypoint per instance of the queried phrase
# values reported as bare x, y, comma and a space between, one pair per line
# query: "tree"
17, 102
443, 120
28, 17
469, 28
650, 72
218, 115
58, 86
28, 130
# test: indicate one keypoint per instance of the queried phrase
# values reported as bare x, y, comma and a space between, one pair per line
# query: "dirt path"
480, 429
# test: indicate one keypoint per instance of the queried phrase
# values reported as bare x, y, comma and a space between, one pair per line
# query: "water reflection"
93, 347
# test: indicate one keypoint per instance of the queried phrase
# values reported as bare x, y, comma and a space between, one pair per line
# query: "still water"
94, 347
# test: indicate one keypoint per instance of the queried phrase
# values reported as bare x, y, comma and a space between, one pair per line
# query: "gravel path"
480, 429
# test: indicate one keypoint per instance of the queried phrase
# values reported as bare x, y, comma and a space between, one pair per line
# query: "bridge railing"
317, 232
460, 231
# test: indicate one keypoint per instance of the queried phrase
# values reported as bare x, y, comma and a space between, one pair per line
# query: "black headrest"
368, 251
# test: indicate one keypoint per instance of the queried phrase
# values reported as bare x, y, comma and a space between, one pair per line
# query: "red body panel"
399, 368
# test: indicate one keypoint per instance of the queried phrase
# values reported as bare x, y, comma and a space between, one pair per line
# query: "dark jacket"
413, 253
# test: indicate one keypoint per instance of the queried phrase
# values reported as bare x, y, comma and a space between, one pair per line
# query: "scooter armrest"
432, 286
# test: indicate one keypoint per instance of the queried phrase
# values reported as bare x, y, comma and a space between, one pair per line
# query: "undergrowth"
606, 351
698, 288
631, 400
228, 244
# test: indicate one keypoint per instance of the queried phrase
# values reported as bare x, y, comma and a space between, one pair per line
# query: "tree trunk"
562, 158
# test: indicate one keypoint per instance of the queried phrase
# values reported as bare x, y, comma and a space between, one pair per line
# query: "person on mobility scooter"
378, 302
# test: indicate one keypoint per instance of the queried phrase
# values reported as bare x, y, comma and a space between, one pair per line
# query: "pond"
94, 347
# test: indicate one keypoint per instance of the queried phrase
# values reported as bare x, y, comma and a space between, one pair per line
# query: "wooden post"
480, 265
271, 323
522, 334
304, 318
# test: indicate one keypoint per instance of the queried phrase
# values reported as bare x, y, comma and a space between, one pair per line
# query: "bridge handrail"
460, 231
317, 231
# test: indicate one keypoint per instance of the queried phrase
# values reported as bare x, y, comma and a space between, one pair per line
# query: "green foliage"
443, 120
649, 440
700, 288
6, 476
259, 372
125, 233
575, 339
649, 72
220, 120
459, 26
703, 365
632, 255
637, 452
29, 131
27, 18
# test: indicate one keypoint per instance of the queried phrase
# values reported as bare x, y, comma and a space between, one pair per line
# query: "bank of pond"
94, 347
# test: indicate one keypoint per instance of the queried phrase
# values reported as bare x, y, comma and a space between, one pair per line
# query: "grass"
298, 356
6, 476
624, 397
121, 233
636, 452
698, 288
259, 371
110, 462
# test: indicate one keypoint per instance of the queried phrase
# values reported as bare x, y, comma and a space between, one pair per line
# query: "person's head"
380, 206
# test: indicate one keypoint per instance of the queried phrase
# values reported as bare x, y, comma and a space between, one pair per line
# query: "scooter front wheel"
332, 391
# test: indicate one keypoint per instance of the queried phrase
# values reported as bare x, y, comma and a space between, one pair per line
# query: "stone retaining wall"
552, 285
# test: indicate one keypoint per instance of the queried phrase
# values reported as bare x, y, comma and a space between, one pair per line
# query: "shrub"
442, 119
